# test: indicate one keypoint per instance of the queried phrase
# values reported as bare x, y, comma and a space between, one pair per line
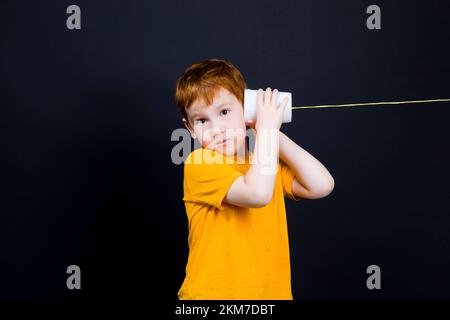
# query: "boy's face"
222, 120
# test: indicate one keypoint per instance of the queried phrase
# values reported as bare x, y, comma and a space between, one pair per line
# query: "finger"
283, 104
267, 95
259, 97
274, 99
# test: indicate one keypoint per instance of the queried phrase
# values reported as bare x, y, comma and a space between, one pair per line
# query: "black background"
87, 115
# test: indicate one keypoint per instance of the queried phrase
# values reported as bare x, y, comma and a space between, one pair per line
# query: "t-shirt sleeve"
208, 183
287, 177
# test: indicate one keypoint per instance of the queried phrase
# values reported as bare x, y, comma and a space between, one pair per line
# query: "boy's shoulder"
202, 156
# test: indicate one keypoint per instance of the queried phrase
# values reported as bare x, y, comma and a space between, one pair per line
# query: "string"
371, 103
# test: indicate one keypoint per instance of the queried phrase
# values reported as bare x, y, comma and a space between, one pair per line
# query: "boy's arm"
255, 189
312, 179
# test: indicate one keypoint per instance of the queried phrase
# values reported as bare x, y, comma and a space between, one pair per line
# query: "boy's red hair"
203, 79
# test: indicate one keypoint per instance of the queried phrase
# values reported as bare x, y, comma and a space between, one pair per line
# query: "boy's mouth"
222, 142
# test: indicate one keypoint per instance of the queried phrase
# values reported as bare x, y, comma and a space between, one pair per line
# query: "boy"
238, 239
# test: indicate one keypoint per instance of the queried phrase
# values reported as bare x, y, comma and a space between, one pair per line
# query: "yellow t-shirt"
234, 252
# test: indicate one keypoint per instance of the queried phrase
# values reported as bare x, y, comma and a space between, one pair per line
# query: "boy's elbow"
262, 198
326, 189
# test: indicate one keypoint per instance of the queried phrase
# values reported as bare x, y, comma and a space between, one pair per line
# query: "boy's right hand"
269, 115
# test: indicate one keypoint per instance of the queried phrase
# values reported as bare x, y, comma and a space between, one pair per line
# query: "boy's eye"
201, 121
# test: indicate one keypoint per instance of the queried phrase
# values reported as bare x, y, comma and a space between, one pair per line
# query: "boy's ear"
186, 124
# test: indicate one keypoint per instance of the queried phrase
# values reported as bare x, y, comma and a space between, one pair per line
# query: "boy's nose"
217, 134
216, 129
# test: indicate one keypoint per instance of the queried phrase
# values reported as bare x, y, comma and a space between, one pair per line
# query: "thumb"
283, 104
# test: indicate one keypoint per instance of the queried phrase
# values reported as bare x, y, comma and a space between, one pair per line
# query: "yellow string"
372, 103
